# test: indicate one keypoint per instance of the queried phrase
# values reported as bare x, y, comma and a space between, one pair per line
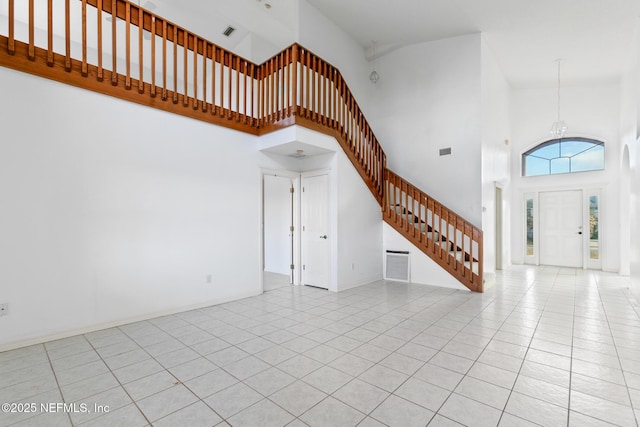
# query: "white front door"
561, 238
315, 231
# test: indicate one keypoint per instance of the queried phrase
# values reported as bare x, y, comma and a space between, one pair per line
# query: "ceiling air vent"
445, 151
228, 31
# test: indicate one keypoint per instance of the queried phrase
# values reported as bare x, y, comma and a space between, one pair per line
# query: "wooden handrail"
294, 86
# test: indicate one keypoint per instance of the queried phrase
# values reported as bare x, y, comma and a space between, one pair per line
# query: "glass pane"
594, 240
560, 165
570, 147
529, 227
534, 166
590, 160
550, 151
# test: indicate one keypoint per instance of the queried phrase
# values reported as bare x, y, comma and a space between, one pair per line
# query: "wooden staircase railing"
450, 240
154, 62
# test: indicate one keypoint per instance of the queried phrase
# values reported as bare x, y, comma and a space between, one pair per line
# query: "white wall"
324, 38
496, 171
630, 165
590, 111
430, 98
113, 211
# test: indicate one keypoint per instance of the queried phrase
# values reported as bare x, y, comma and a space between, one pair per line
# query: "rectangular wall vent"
445, 151
397, 266
228, 31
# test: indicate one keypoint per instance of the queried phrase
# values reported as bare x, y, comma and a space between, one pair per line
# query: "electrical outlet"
4, 309
209, 278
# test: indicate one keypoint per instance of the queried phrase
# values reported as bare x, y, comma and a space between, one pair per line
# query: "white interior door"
278, 219
561, 238
315, 231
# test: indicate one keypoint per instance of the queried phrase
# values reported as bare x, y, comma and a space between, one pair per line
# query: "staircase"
155, 62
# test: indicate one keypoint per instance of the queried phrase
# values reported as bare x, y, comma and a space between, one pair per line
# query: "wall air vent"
397, 266
445, 151
228, 31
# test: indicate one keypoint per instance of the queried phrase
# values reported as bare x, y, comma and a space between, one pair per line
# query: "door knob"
323, 237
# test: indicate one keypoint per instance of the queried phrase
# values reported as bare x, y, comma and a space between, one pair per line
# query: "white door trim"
295, 178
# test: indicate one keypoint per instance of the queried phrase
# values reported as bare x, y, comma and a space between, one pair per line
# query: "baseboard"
355, 285
97, 327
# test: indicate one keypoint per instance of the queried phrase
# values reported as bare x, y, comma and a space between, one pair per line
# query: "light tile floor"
545, 346
271, 281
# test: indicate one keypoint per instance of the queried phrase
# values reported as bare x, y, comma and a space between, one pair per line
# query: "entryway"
278, 234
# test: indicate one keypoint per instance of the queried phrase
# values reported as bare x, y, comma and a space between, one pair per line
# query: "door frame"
587, 263
331, 285
295, 179
499, 226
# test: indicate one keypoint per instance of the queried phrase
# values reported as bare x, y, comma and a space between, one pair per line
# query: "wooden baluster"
352, 120
464, 249
214, 54
273, 75
245, 92
314, 95
153, 56
196, 102
230, 112
222, 60
11, 46
185, 50
237, 112
309, 71
325, 91
253, 73
175, 64
164, 59
278, 90
274, 89
456, 223
83, 35
287, 83
50, 33
370, 152
140, 50
267, 92
100, 74
205, 56
114, 50
294, 79
261, 95
477, 237
32, 27
127, 80
269, 83
67, 33
335, 99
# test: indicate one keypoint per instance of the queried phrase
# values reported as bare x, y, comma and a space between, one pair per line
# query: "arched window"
564, 155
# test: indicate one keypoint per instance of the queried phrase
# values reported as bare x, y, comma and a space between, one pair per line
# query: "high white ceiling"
527, 36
